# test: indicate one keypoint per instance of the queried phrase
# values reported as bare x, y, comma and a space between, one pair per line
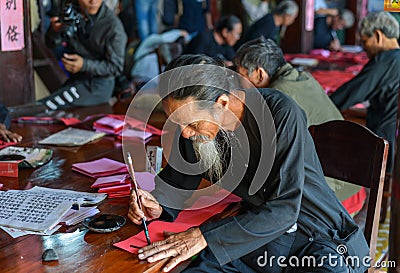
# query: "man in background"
325, 28
262, 63
379, 80
273, 25
93, 55
217, 43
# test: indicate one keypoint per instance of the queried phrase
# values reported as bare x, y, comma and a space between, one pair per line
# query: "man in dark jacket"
217, 43
273, 25
254, 143
94, 54
379, 80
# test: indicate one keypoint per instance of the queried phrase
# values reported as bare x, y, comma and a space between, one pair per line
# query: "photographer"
94, 46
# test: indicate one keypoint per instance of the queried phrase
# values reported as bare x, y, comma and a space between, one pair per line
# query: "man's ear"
262, 76
223, 101
379, 36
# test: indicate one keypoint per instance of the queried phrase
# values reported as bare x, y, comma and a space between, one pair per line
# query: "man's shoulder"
107, 16
282, 107
275, 99
389, 56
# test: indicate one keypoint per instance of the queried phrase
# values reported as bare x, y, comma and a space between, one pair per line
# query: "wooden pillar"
359, 9
299, 37
16, 66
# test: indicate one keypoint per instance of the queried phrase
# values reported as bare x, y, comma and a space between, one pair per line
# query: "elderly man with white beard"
254, 143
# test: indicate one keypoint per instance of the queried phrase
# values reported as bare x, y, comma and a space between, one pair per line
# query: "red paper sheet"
123, 188
109, 181
100, 167
145, 181
119, 194
47, 120
138, 124
185, 220
109, 125
4, 144
333, 57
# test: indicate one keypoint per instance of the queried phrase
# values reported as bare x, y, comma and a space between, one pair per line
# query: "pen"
135, 188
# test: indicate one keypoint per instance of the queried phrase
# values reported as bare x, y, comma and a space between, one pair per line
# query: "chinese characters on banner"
12, 25
392, 5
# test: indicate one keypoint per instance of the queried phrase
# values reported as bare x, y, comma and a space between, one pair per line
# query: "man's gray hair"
382, 21
287, 7
262, 53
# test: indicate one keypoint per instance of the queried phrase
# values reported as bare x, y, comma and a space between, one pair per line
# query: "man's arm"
361, 87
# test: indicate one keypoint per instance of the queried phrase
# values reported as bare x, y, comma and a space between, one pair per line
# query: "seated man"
325, 28
217, 43
379, 80
94, 55
254, 143
262, 63
273, 25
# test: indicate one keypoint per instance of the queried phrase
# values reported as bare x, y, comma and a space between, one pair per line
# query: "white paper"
352, 48
71, 137
86, 198
75, 216
15, 232
304, 61
32, 211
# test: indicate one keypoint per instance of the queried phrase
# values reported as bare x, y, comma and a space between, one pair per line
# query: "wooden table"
78, 250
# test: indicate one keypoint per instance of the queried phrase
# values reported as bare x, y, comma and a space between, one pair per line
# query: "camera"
72, 21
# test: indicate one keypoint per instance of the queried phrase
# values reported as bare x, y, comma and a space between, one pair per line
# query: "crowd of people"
294, 211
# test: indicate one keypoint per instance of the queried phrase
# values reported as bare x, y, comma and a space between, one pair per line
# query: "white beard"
209, 152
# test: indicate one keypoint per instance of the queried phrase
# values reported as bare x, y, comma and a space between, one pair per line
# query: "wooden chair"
351, 152
394, 238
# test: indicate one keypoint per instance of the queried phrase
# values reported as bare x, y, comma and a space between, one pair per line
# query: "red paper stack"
109, 125
115, 185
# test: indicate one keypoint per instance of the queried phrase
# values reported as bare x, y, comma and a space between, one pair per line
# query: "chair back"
351, 152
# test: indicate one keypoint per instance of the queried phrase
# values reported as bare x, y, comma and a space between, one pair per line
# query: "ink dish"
104, 223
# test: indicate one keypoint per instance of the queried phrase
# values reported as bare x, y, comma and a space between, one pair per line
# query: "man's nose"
187, 132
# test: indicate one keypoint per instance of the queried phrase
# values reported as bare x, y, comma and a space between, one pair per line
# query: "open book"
40, 209
72, 137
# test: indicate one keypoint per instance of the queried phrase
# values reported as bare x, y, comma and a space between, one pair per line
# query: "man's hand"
56, 25
9, 136
72, 62
335, 45
151, 208
181, 246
